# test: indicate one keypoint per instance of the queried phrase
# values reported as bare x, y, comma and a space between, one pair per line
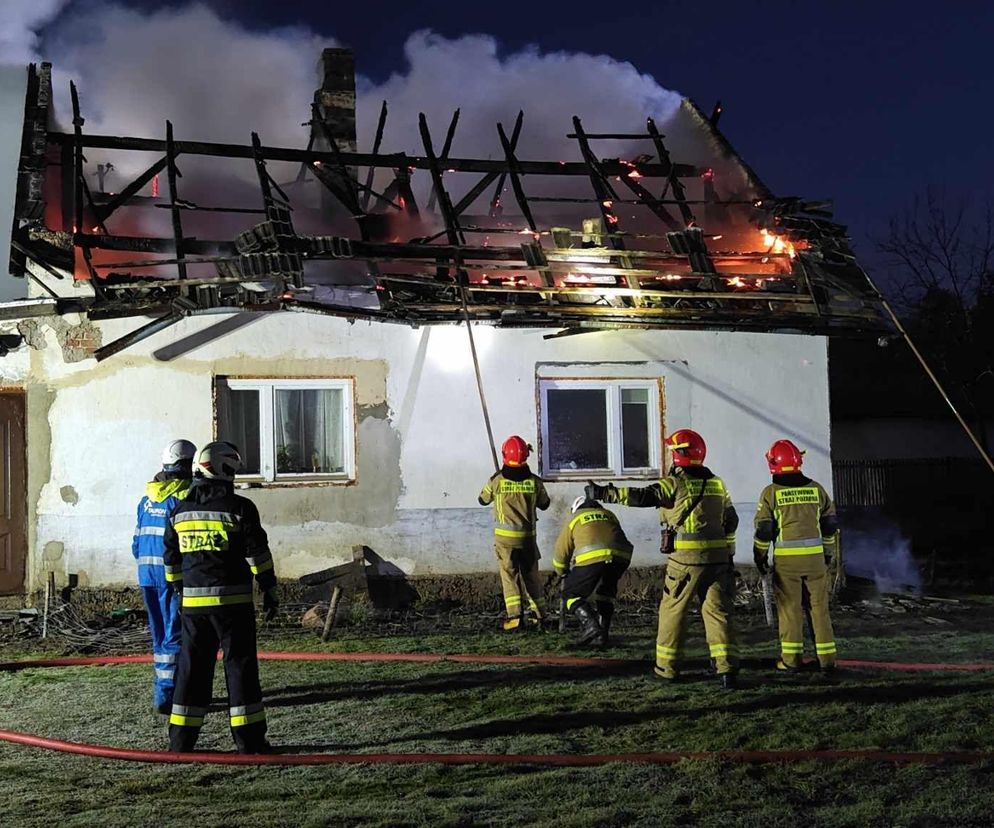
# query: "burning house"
366, 324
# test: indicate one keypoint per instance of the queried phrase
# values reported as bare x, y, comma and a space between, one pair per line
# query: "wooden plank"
392, 160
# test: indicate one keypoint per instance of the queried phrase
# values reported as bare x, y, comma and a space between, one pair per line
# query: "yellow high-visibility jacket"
592, 535
515, 494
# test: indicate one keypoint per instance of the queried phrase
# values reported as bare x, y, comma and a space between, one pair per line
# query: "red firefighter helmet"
515, 451
687, 447
784, 457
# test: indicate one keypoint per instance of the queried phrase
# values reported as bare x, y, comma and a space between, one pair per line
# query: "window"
600, 426
289, 429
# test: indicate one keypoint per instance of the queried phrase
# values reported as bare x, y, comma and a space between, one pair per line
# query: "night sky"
863, 102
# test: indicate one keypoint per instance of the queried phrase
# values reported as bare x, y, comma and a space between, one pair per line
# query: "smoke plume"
20, 21
216, 80
878, 551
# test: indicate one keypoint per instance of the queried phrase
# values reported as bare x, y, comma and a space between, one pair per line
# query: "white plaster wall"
109, 421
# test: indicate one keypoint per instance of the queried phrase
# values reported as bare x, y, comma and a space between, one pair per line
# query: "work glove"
270, 604
594, 491
762, 564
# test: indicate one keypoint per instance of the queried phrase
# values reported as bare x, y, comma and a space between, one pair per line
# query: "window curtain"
309, 431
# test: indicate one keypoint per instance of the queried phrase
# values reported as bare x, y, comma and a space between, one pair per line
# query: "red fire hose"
545, 759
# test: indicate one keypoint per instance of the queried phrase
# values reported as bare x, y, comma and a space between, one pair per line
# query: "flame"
634, 174
777, 244
735, 281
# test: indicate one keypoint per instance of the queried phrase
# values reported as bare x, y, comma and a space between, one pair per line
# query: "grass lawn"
397, 707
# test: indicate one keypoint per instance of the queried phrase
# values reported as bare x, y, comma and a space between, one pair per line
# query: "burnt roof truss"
664, 263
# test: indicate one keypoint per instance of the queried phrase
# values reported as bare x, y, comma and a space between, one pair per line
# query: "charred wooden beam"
444, 155
104, 211
377, 141
171, 175
392, 160
673, 179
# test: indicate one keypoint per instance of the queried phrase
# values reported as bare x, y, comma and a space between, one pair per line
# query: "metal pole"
479, 380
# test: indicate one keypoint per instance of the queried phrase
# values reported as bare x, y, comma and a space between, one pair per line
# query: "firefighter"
167, 488
797, 516
515, 494
698, 530
214, 545
594, 542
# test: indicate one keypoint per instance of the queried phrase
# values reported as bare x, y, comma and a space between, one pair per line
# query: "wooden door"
13, 494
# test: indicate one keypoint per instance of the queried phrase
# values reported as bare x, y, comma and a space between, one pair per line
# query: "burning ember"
777, 244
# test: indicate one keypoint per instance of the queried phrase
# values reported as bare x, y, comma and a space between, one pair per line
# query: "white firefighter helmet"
176, 453
219, 461
578, 503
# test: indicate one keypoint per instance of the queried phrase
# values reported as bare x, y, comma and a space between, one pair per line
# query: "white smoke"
20, 21
216, 80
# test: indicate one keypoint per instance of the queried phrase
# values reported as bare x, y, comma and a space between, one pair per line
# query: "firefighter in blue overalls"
162, 494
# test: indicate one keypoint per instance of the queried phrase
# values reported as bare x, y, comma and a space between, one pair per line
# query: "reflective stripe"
150, 560
513, 599
152, 530
595, 552
224, 517
509, 530
174, 577
801, 546
217, 600
669, 652
265, 566
591, 516
571, 601
245, 709
187, 716
559, 567
763, 546
188, 710
792, 646
713, 543
227, 589
168, 658
828, 647
667, 486
721, 649
165, 674
252, 718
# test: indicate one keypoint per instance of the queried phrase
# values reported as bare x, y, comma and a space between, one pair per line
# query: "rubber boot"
605, 609
590, 628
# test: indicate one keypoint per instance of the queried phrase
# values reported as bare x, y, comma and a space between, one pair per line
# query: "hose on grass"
538, 759
545, 759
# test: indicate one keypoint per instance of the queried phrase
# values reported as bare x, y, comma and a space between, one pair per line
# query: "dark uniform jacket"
592, 536
796, 514
707, 535
214, 544
515, 493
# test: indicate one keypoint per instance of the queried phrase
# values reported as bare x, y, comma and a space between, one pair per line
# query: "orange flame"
777, 244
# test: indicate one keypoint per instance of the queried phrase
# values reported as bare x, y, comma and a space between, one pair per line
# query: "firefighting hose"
542, 759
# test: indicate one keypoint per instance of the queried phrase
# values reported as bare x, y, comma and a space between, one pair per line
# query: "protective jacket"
592, 536
707, 534
214, 545
515, 494
161, 497
797, 516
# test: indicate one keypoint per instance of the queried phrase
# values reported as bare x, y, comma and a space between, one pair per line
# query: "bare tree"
940, 255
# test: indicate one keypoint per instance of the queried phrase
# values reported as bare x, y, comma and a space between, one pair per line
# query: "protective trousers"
233, 630
790, 590
713, 585
597, 581
519, 579
162, 605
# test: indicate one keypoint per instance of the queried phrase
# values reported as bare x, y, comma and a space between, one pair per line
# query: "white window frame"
267, 388
612, 401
